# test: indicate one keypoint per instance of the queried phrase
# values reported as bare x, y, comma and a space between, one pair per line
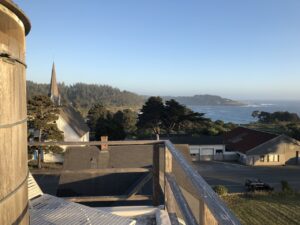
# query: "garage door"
194, 153
206, 154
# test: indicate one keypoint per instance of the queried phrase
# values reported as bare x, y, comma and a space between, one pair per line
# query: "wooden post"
169, 161
169, 199
206, 217
155, 171
39, 159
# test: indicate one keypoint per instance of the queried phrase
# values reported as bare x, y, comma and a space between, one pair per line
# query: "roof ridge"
74, 119
266, 132
252, 149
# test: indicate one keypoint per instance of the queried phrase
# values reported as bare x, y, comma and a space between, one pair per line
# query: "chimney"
104, 147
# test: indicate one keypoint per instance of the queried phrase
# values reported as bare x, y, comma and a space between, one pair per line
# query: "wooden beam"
170, 203
108, 198
92, 171
155, 178
182, 204
141, 183
95, 143
109, 170
217, 207
168, 161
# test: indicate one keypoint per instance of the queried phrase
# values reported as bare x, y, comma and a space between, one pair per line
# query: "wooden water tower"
14, 26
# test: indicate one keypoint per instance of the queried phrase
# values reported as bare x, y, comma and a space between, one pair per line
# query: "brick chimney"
104, 147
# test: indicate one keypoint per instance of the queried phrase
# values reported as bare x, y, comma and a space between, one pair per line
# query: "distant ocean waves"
242, 114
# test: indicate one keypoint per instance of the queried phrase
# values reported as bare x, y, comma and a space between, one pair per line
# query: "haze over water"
242, 114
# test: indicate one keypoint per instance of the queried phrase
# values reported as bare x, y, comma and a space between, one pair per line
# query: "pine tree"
42, 116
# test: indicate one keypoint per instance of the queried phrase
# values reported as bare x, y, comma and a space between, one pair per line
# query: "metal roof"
48, 209
33, 188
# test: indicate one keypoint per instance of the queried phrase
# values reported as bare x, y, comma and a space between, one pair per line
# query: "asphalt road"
233, 175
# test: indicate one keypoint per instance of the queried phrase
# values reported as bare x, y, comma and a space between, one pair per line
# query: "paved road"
233, 175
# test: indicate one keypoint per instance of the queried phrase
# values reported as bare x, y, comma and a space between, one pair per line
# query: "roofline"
76, 132
267, 132
19, 13
252, 149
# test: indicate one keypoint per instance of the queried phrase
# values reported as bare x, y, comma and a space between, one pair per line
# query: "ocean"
242, 114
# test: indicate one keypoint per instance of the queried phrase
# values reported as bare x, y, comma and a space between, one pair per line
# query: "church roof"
74, 119
53, 85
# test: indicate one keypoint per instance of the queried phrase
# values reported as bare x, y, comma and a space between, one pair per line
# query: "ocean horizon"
242, 114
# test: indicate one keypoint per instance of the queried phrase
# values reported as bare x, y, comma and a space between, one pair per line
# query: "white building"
72, 124
205, 148
70, 121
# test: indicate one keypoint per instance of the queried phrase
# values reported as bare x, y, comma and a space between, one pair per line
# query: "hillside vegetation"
207, 100
277, 122
84, 96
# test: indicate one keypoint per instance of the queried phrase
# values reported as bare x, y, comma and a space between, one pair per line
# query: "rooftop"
196, 140
164, 170
243, 139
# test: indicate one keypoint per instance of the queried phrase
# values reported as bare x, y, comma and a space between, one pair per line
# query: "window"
262, 158
278, 159
273, 158
193, 154
219, 151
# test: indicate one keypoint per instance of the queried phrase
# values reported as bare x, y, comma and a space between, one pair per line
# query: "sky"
246, 49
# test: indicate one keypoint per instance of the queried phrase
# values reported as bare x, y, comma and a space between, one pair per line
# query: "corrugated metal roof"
33, 189
48, 209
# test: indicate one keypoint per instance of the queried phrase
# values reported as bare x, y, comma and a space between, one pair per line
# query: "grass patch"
265, 208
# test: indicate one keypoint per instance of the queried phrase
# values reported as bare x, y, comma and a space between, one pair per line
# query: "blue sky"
247, 49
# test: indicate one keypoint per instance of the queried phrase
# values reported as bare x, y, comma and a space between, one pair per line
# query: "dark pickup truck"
253, 184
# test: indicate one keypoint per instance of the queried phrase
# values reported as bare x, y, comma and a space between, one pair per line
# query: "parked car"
254, 184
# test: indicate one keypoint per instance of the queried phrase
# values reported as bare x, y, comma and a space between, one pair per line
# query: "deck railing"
186, 195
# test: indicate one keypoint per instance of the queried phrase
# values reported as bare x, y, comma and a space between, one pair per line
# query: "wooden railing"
186, 195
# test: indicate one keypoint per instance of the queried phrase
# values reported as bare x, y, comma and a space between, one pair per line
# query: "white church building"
70, 121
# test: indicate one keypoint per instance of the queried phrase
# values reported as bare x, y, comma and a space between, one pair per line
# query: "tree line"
276, 117
84, 96
280, 122
154, 119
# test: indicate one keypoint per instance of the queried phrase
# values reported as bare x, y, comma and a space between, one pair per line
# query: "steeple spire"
53, 92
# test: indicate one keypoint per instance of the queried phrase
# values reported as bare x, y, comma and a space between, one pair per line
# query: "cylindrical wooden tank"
14, 25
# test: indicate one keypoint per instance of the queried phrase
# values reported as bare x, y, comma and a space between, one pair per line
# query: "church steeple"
53, 92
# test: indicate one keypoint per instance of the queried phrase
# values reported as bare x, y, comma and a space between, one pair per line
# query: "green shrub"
285, 187
220, 190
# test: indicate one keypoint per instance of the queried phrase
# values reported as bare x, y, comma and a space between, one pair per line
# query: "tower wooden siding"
13, 124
